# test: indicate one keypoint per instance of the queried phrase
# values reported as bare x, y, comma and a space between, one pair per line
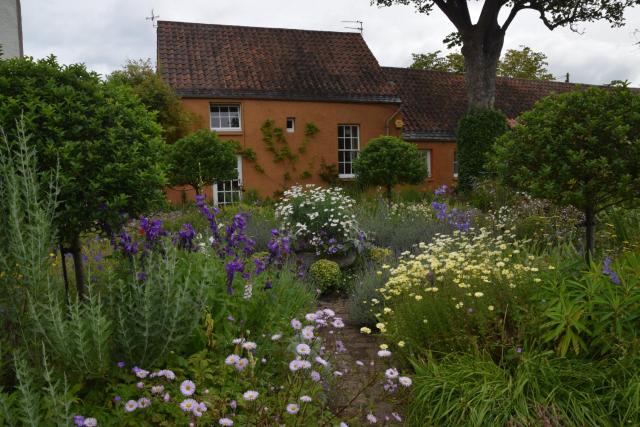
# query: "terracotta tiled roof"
433, 102
203, 60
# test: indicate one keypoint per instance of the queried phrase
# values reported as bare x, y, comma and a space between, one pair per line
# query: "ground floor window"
348, 148
426, 157
229, 192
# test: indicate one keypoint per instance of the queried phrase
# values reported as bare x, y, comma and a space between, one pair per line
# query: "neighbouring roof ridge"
164, 21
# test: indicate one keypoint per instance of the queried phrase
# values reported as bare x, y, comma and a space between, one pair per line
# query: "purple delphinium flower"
185, 237
232, 268
607, 271
78, 420
518, 349
440, 210
121, 364
441, 191
141, 276
126, 244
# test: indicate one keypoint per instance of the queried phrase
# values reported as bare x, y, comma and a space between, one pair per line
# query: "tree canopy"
157, 96
580, 148
103, 142
388, 161
202, 158
482, 41
523, 63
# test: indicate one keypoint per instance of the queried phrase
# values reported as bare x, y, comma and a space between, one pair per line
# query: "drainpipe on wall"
386, 123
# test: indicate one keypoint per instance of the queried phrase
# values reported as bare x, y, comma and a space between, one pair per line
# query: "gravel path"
348, 390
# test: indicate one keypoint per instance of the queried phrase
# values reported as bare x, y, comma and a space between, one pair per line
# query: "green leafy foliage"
523, 63
325, 275
477, 132
201, 159
580, 148
157, 96
103, 141
388, 161
594, 313
453, 62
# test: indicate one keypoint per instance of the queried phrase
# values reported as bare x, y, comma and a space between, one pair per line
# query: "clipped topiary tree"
477, 132
580, 148
200, 159
103, 142
388, 161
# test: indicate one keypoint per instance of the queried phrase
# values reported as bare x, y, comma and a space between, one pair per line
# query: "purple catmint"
607, 271
441, 191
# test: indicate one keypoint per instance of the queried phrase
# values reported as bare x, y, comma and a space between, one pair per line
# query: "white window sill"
226, 129
347, 176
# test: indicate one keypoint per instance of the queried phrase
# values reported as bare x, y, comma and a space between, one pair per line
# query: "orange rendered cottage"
301, 103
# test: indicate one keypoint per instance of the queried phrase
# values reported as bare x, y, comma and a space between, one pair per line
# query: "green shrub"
101, 140
594, 313
362, 305
388, 161
566, 148
397, 228
325, 275
380, 256
476, 134
200, 159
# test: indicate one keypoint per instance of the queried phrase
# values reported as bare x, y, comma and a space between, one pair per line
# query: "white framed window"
291, 124
455, 164
229, 192
226, 117
348, 148
426, 157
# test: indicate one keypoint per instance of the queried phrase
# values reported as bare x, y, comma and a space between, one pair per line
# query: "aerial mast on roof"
153, 18
359, 26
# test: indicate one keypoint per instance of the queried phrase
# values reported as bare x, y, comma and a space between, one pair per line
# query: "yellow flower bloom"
365, 330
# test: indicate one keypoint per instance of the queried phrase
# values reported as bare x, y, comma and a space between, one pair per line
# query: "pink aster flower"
187, 405
391, 373
303, 349
226, 422
242, 363
231, 359
250, 395
371, 418
187, 387
292, 408
131, 406
405, 381
295, 324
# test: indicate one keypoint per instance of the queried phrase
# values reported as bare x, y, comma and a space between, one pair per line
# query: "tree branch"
457, 12
517, 7
489, 14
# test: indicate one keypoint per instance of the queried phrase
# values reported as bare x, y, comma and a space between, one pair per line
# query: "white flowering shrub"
321, 219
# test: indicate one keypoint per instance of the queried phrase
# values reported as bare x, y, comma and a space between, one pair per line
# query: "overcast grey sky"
105, 33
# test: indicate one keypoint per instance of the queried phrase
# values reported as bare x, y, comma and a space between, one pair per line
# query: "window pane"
235, 122
347, 131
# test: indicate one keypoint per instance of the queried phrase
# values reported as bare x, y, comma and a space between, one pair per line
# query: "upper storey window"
226, 117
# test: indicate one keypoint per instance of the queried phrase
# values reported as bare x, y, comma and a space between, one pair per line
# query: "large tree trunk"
481, 49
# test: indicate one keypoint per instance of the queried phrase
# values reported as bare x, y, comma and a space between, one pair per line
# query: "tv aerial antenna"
153, 18
358, 26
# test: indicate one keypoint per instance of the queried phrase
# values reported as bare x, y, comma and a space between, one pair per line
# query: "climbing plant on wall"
276, 144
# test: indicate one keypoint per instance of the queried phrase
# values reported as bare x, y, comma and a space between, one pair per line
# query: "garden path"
348, 389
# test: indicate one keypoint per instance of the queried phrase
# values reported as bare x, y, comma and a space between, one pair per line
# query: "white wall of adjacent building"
10, 28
